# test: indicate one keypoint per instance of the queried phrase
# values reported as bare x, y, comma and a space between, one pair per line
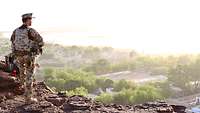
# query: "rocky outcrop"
50, 102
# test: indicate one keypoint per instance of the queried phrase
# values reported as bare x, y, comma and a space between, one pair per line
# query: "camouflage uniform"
25, 41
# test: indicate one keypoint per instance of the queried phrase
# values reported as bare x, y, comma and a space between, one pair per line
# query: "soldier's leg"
29, 77
21, 65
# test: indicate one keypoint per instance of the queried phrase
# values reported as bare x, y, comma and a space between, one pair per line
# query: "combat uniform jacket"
25, 39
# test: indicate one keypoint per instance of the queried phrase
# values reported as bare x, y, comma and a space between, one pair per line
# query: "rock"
51, 102
77, 103
56, 100
179, 108
2, 98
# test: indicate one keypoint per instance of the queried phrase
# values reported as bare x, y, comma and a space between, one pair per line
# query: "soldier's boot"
28, 95
31, 100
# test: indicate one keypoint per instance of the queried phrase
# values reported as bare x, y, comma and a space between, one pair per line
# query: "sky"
149, 26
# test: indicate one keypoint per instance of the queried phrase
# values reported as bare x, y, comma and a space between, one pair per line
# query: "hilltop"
51, 102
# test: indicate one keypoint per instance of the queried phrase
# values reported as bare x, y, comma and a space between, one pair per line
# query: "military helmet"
27, 15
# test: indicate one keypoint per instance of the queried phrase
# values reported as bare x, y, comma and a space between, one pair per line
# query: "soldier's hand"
40, 50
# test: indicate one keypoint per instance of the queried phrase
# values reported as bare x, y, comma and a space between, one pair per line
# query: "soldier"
26, 45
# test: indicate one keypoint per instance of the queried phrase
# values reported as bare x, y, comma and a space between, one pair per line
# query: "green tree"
123, 84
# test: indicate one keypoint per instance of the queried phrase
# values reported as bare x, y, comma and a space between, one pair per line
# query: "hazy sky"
150, 26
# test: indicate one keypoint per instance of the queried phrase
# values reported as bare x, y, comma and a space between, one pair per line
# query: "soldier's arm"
12, 36
35, 36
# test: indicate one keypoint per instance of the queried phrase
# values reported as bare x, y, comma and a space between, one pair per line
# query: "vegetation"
102, 66
78, 91
105, 98
84, 64
69, 79
82, 83
132, 96
102, 60
123, 84
186, 77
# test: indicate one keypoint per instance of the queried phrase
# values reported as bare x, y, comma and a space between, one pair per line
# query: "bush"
124, 96
123, 84
145, 93
105, 98
78, 91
